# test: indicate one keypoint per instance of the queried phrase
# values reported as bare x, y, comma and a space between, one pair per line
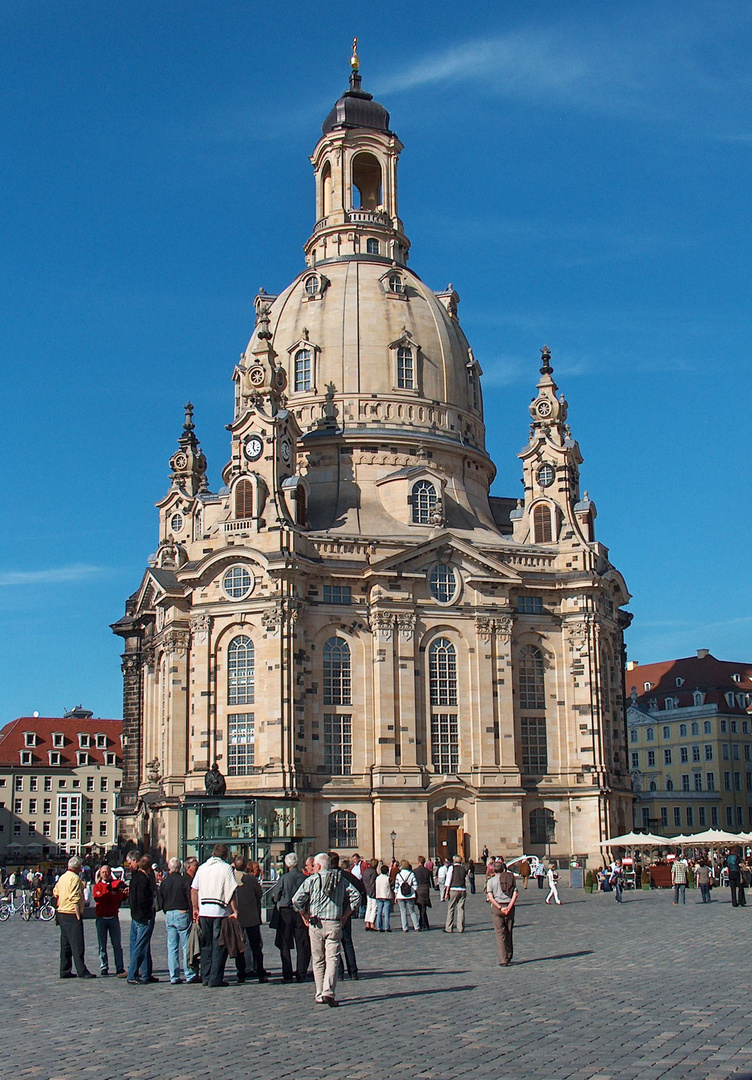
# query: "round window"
237, 583
312, 285
176, 523
546, 475
442, 581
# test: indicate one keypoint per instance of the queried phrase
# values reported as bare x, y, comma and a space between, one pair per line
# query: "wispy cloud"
53, 576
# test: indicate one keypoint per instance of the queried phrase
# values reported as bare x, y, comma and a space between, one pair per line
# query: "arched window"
667, 732
424, 502
366, 178
244, 499
653, 786
532, 699
682, 730
405, 369
372, 246
442, 581
301, 506
442, 680
542, 527
542, 826
343, 829
695, 728
327, 189
337, 673
240, 671
303, 370
669, 784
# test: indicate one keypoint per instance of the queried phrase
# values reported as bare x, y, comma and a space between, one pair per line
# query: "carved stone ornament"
577, 633
406, 625
147, 656
382, 624
177, 641
130, 664
501, 627
153, 771
214, 781
200, 626
271, 619
437, 516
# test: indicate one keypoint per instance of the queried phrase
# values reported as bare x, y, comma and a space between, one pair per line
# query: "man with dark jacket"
175, 900
291, 929
141, 902
248, 899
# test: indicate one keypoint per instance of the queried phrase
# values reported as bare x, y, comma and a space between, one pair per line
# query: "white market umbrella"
717, 836
633, 839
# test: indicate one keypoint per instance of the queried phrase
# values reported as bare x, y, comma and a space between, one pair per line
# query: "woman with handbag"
405, 888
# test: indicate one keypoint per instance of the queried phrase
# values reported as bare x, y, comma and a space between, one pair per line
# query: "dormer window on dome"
394, 284
425, 500
314, 286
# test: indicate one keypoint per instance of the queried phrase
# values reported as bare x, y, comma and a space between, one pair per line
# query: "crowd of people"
213, 913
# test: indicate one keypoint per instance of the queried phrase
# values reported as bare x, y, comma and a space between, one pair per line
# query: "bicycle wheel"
5, 912
46, 913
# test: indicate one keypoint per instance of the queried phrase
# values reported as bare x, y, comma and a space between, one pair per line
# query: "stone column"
383, 629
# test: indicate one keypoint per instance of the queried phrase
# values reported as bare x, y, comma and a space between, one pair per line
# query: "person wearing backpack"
405, 888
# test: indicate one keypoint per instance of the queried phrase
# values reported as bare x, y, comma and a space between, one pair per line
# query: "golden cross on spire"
355, 59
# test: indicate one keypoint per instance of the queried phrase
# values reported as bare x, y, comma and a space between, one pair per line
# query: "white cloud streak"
53, 576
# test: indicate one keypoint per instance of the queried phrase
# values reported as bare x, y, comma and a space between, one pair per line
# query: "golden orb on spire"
355, 59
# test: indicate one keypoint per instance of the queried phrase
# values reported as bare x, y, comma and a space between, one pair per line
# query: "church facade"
375, 652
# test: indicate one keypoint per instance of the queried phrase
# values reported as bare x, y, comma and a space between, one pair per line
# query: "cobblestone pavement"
598, 991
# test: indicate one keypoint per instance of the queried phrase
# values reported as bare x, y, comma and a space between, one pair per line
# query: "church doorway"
451, 838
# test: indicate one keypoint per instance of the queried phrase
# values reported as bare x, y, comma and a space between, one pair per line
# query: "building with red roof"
690, 743
59, 782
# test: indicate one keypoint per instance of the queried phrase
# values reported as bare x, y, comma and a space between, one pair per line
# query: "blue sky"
581, 175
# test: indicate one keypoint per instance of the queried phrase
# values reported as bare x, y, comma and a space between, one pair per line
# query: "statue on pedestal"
214, 781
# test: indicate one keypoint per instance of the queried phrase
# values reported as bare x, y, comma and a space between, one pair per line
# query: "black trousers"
736, 883
213, 953
349, 950
293, 932
422, 916
253, 937
71, 944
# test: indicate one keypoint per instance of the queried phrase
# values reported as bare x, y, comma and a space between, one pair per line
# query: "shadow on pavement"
557, 956
409, 993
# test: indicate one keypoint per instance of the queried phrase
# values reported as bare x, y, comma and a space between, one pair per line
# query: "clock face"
253, 447
544, 408
286, 450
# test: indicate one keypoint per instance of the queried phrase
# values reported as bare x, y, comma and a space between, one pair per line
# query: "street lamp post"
393, 836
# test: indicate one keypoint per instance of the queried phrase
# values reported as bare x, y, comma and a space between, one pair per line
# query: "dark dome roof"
356, 109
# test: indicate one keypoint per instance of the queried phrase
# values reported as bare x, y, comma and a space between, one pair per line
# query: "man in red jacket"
109, 895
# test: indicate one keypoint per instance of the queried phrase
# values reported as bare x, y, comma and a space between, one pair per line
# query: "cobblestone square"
598, 991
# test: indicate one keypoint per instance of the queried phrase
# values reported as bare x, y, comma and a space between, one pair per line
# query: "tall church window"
532, 699
424, 502
405, 371
327, 189
240, 671
442, 675
240, 744
244, 499
338, 744
337, 672
542, 826
542, 527
372, 246
301, 507
343, 829
303, 379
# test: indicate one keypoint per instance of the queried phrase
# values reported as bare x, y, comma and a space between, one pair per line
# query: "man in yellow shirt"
69, 894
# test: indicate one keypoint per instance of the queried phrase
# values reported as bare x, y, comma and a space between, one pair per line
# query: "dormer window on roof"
736, 677
82, 758
84, 739
27, 758
679, 681
101, 741
58, 739
30, 738
54, 757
